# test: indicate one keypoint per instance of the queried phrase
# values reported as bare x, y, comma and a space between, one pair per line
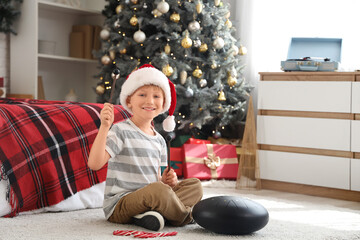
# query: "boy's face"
147, 101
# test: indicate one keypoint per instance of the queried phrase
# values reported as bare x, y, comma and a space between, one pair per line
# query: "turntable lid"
315, 47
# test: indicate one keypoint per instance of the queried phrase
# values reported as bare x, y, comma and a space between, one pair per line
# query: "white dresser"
308, 131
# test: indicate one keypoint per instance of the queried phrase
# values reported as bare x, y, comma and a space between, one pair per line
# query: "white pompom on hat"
149, 75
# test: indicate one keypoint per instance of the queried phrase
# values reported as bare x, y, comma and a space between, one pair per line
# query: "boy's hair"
149, 75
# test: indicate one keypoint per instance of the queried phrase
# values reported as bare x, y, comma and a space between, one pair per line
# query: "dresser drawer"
355, 95
305, 96
318, 133
355, 135
325, 171
355, 174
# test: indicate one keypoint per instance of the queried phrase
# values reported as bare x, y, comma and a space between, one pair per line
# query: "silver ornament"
163, 7
197, 43
117, 23
189, 93
104, 34
233, 72
105, 60
216, 135
235, 50
203, 83
218, 43
194, 26
139, 36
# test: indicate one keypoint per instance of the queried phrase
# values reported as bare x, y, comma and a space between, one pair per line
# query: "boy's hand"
107, 115
169, 177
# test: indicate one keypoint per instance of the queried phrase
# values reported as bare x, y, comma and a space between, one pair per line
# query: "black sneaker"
150, 220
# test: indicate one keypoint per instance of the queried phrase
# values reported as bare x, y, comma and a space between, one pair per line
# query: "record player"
313, 54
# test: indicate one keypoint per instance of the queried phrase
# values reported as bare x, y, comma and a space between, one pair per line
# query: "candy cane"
153, 235
141, 234
125, 232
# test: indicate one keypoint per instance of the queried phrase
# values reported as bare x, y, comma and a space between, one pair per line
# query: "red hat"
149, 75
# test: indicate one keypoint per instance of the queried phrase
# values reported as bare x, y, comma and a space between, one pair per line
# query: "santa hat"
149, 75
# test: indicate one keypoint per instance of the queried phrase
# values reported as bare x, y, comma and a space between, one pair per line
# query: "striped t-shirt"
135, 161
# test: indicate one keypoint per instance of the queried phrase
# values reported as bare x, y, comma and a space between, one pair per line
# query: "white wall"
4, 58
266, 27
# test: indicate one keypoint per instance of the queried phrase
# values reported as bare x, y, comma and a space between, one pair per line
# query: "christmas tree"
192, 42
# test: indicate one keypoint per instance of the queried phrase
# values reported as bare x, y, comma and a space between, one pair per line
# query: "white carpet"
292, 216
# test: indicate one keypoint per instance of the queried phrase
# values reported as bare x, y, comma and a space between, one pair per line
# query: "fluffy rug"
292, 216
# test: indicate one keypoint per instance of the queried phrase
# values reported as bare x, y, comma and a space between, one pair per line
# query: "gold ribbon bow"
212, 161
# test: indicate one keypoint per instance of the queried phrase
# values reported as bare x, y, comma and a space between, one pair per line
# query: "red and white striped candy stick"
153, 235
125, 232
141, 234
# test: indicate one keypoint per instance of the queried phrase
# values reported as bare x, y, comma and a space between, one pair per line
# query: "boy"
135, 191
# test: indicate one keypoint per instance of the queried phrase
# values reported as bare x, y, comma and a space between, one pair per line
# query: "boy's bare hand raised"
107, 115
169, 177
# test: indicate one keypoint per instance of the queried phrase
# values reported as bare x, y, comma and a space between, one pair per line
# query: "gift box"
176, 160
179, 140
210, 161
197, 141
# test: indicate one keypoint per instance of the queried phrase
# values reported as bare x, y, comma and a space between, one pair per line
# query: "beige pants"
174, 204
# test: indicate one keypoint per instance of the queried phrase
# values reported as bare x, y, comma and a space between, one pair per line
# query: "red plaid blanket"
44, 147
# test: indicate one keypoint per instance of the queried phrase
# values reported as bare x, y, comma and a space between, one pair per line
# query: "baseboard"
311, 190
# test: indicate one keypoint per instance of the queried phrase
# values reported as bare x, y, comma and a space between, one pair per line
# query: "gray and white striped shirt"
135, 161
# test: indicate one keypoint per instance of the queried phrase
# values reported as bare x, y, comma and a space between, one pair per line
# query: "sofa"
44, 146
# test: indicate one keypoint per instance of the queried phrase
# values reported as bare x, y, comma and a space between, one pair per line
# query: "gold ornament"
186, 42
231, 81
134, 1
119, 8
242, 50
183, 76
203, 47
112, 54
227, 15
100, 89
175, 17
221, 96
168, 70
133, 21
156, 13
214, 65
199, 7
228, 23
197, 72
167, 49
122, 51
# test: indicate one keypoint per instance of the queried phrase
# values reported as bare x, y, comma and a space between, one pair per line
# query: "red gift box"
197, 141
176, 160
210, 161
